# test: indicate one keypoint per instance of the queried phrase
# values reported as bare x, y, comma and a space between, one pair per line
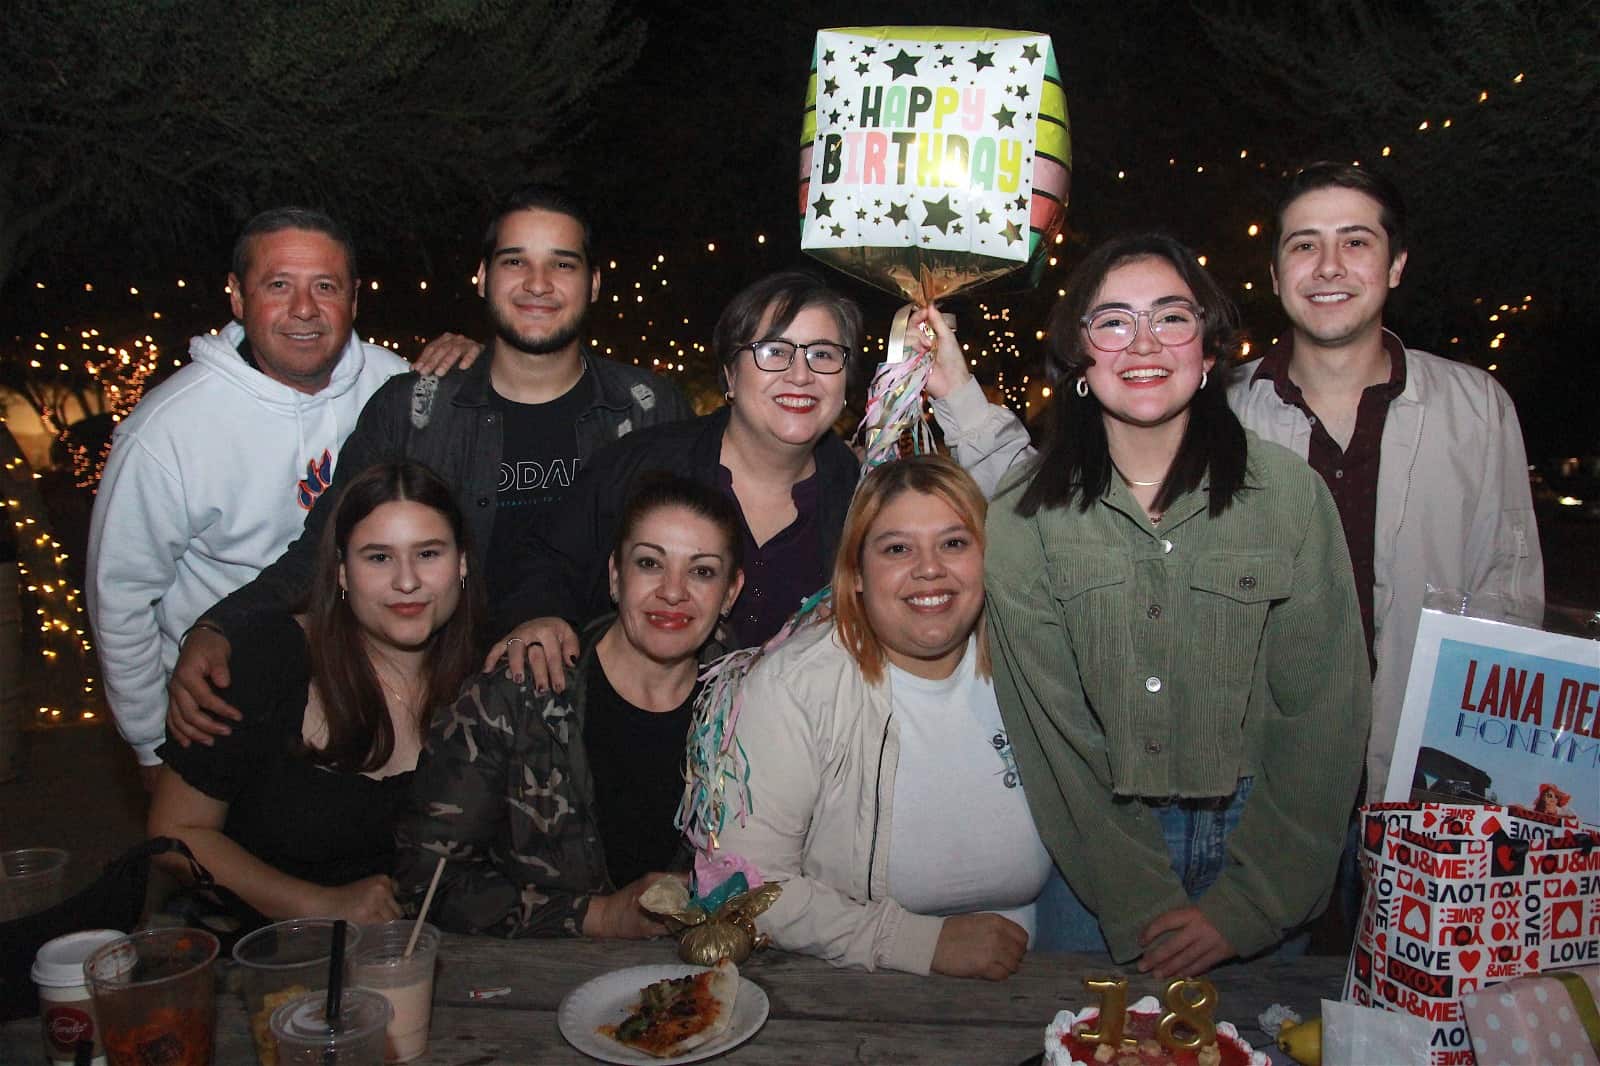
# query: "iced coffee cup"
65, 1008
281, 962
381, 965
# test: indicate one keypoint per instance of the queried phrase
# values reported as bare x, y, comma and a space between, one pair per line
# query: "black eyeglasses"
823, 357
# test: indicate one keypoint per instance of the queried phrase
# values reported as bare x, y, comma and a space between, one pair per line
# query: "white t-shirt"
962, 837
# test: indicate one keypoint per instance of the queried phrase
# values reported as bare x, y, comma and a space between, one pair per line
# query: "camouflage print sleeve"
459, 808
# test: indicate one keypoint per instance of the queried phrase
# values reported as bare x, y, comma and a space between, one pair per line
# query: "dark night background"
138, 136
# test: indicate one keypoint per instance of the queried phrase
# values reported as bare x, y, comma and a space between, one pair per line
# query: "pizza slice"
679, 1014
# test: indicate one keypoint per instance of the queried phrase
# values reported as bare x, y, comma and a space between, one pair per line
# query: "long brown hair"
931, 475
360, 734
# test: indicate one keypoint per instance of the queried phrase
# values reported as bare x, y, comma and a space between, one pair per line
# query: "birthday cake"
1065, 1046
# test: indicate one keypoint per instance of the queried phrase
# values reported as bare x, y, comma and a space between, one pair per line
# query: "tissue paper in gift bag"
1463, 897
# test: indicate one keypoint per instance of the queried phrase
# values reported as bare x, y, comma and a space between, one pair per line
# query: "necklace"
1126, 480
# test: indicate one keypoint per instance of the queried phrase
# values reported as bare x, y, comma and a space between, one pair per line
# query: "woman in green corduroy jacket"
1179, 655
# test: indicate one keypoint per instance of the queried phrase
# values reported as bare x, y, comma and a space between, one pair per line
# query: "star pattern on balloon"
980, 60
827, 57
939, 214
863, 68
897, 213
984, 215
830, 86
1019, 204
947, 60
1006, 117
824, 206
1030, 52
1012, 232
904, 64
836, 229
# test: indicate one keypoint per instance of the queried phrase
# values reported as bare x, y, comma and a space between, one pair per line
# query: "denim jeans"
1196, 831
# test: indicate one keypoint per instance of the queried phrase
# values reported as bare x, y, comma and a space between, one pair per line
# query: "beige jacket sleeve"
789, 752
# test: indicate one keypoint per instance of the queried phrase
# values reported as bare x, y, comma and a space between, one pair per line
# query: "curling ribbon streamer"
894, 401
716, 772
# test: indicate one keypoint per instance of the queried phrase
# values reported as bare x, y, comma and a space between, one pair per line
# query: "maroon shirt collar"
1274, 367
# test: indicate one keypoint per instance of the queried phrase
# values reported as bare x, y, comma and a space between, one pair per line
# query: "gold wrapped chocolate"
704, 939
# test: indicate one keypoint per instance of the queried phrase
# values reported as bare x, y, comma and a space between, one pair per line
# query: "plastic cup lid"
302, 1021
59, 963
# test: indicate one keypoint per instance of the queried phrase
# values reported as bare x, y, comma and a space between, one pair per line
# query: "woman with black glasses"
786, 345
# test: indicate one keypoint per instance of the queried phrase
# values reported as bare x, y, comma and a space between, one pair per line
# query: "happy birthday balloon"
932, 158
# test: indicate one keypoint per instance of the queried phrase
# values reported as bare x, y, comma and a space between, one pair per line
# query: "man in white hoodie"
212, 474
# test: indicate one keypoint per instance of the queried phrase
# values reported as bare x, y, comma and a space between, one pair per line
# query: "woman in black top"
292, 811
546, 803
784, 344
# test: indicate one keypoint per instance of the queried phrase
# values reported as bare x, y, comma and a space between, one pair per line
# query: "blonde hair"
931, 475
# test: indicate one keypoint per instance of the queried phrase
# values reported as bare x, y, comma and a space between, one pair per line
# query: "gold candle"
1193, 1004
1113, 1013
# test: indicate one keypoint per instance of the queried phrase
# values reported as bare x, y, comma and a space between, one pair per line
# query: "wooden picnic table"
819, 1014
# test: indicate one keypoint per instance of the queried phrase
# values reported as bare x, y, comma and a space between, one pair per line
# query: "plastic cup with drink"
383, 965
31, 879
281, 962
154, 997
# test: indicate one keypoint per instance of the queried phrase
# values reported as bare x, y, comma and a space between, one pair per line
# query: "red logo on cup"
67, 1026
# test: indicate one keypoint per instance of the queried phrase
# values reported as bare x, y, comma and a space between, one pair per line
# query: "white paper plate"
610, 998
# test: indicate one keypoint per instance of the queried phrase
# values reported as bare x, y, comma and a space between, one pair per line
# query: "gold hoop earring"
1082, 388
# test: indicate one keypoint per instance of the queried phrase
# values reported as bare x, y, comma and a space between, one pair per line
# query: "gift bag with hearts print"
1459, 898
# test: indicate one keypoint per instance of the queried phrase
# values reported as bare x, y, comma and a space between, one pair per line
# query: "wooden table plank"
819, 1014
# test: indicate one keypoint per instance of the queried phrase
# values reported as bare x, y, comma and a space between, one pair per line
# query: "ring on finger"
514, 640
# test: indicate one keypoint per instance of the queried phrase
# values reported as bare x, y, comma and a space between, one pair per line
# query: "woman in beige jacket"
882, 790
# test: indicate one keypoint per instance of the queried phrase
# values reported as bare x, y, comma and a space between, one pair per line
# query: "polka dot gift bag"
1542, 1018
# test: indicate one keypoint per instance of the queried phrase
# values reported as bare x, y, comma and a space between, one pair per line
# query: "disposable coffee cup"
65, 1008
407, 983
304, 1037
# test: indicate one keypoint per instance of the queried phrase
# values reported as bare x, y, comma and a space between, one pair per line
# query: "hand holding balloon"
949, 368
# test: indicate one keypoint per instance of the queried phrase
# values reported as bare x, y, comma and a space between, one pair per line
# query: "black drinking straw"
335, 977
331, 1010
